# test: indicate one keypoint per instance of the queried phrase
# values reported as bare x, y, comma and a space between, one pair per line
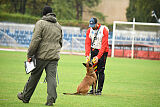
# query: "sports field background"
128, 83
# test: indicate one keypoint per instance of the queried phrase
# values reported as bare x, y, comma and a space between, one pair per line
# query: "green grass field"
128, 83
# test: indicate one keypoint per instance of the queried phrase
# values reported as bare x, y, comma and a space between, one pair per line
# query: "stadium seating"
20, 36
23, 37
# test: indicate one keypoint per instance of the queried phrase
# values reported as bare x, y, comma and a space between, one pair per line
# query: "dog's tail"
72, 93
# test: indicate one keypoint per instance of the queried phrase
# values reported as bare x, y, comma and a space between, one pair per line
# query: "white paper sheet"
29, 66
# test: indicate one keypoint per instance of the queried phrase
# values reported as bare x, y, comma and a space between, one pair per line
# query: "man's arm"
104, 43
36, 38
87, 43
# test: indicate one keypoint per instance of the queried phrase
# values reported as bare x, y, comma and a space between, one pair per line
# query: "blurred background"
134, 33
136, 39
106, 11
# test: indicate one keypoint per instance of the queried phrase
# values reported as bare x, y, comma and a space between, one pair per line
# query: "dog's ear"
84, 64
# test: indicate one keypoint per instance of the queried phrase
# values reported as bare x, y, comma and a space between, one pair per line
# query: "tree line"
64, 9
73, 9
141, 10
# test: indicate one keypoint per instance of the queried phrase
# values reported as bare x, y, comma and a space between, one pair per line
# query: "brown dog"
89, 80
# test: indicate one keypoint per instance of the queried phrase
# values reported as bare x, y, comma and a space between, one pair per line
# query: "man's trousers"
51, 70
100, 67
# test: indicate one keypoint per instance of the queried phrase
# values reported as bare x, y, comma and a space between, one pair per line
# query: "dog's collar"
90, 73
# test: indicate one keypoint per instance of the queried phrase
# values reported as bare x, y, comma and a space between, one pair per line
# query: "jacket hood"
51, 17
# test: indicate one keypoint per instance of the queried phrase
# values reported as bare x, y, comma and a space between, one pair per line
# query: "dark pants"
100, 67
51, 69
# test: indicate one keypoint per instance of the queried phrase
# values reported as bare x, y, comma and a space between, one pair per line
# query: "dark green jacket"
46, 41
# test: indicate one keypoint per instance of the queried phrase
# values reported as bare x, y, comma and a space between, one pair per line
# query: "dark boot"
98, 92
20, 97
91, 91
49, 104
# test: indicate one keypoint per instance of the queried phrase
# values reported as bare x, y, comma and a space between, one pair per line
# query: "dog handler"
45, 45
97, 43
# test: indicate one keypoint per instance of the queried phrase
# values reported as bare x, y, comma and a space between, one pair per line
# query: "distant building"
115, 10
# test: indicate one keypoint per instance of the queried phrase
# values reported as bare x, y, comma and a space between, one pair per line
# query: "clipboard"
29, 66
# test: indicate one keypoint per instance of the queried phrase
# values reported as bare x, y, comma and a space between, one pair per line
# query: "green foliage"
64, 9
28, 19
141, 10
5, 6
35, 7
91, 3
129, 83
18, 18
99, 15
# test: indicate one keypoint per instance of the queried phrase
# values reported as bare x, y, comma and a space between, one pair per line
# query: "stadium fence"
146, 42
136, 40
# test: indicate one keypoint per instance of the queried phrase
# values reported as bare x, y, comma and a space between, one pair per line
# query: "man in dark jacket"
45, 45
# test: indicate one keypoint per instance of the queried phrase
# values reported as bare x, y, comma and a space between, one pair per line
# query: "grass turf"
128, 83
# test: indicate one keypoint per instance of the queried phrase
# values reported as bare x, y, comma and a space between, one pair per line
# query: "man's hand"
95, 60
87, 59
29, 59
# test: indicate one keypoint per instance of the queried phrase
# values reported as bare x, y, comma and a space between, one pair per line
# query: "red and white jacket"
101, 41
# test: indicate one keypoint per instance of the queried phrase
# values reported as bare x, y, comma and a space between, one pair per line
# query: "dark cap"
92, 22
46, 10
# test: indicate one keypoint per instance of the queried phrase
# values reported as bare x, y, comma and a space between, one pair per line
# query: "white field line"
3, 99
7, 49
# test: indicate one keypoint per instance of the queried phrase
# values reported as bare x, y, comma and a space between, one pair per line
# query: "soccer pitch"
128, 83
